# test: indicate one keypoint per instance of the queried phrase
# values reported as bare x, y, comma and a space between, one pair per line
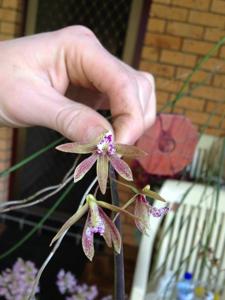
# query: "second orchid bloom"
97, 222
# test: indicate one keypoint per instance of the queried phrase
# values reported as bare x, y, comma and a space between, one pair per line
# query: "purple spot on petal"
159, 212
106, 145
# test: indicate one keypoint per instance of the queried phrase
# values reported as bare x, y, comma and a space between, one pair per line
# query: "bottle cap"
200, 291
188, 276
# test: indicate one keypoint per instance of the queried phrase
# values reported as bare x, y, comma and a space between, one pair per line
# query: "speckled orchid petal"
88, 239
141, 210
102, 172
159, 212
75, 217
129, 151
121, 167
76, 148
84, 167
111, 235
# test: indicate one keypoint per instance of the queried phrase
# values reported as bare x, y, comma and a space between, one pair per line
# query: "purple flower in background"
16, 283
68, 286
66, 282
103, 150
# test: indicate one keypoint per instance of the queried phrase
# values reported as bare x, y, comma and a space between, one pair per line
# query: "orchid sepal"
72, 220
129, 151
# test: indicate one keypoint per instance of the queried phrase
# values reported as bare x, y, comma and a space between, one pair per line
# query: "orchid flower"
103, 150
142, 208
97, 222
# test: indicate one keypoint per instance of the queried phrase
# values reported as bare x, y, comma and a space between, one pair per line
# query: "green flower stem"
31, 157
119, 278
38, 225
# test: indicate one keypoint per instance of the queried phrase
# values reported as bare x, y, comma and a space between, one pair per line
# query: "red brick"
7, 27
199, 76
6, 133
193, 46
162, 1
5, 37
8, 15
184, 30
12, 4
178, 58
162, 97
214, 65
222, 51
150, 53
202, 118
191, 103
5, 145
207, 19
213, 131
210, 93
218, 6
157, 69
168, 85
219, 80
169, 13
162, 41
193, 4
4, 165
156, 25
214, 34
217, 107
162, 108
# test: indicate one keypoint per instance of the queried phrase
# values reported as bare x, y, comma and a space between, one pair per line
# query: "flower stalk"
119, 278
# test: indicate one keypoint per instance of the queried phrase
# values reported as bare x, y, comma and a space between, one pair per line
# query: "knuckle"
76, 30
65, 120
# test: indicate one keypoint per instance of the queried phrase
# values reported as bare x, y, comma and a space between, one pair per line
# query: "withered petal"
129, 151
114, 233
88, 240
102, 172
76, 148
84, 167
141, 210
121, 167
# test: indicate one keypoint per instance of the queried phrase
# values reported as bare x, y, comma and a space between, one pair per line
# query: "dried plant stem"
44, 265
119, 279
87, 192
38, 225
17, 204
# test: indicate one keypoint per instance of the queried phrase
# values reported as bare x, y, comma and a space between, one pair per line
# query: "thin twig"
87, 192
17, 204
44, 265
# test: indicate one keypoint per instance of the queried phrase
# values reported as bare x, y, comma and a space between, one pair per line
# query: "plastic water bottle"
185, 288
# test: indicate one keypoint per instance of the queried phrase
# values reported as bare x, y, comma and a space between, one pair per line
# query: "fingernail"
94, 132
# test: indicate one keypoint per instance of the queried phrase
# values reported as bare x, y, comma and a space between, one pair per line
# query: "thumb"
74, 120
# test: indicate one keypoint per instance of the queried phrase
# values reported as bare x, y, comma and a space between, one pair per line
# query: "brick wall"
179, 32
10, 27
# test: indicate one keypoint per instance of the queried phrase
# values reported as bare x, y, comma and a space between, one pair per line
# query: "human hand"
37, 70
